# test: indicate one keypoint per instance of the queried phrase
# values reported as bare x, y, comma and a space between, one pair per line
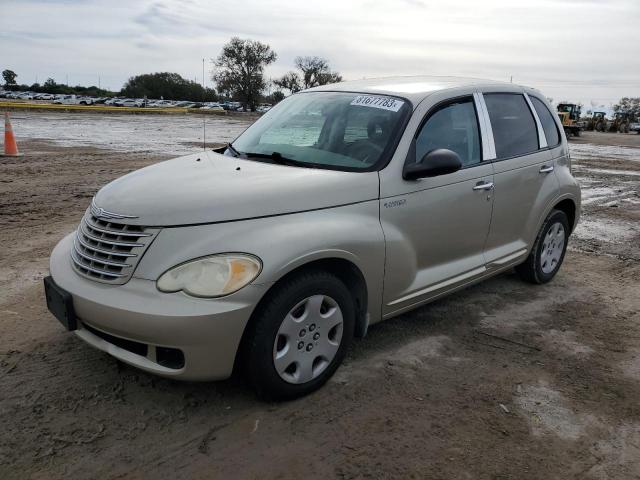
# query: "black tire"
531, 270
257, 350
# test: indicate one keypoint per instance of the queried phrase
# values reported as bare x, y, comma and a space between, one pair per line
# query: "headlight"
213, 276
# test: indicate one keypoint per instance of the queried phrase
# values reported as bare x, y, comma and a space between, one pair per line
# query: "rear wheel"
300, 336
548, 251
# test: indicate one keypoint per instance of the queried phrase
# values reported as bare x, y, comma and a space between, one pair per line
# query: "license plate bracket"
60, 304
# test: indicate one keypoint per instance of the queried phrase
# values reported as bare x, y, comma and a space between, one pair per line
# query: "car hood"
208, 187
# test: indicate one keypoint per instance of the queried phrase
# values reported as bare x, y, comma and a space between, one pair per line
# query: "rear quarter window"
513, 125
548, 123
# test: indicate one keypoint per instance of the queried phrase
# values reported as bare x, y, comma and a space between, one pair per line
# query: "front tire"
299, 336
548, 251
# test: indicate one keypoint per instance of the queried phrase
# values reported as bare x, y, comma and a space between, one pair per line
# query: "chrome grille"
108, 251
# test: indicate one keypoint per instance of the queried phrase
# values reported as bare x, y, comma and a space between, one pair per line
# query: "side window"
513, 125
547, 121
454, 127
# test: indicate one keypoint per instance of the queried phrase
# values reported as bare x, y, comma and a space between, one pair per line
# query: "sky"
577, 50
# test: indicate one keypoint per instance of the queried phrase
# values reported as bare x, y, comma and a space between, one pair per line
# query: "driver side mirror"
440, 161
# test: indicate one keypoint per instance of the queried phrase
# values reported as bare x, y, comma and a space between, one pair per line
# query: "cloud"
544, 43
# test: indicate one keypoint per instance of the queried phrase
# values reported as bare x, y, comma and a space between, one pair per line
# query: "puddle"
595, 194
604, 171
168, 134
605, 230
587, 151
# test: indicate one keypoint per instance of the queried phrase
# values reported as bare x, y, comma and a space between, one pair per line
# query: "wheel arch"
347, 271
567, 206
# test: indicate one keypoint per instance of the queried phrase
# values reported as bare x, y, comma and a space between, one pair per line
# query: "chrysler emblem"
100, 212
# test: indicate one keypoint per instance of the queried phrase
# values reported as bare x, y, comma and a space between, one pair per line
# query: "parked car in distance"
212, 106
634, 127
346, 205
231, 105
130, 102
73, 100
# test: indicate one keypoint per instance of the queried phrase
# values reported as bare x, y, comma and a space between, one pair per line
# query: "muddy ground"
503, 380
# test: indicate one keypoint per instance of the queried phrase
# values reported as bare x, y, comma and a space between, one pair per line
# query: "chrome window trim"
542, 139
486, 132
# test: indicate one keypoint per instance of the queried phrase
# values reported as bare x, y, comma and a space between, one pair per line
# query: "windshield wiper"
276, 157
235, 152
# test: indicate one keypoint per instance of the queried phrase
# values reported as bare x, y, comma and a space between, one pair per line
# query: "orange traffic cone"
10, 145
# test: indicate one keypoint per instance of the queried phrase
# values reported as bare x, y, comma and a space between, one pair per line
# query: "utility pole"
67, 79
511, 78
204, 115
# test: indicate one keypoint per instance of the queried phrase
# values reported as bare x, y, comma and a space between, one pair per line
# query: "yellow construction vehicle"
569, 114
597, 122
620, 123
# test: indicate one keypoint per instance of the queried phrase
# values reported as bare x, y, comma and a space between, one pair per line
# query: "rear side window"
454, 127
548, 124
514, 129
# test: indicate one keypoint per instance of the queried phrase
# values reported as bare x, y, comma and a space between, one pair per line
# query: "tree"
289, 81
239, 70
167, 85
628, 105
276, 97
316, 71
9, 77
50, 86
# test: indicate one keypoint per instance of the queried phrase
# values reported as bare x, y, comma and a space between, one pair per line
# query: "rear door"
523, 176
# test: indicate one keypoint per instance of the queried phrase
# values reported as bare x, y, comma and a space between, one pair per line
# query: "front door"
436, 228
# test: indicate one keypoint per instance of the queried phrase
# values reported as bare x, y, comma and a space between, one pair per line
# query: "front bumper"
206, 331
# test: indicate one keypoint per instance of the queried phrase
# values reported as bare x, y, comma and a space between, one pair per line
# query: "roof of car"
413, 88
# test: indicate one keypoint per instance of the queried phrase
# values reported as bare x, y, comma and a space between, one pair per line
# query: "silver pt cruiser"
342, 206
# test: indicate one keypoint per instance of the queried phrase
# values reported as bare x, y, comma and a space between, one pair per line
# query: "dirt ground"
503, 380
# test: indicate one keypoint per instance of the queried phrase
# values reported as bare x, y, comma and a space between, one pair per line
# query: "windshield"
337, 130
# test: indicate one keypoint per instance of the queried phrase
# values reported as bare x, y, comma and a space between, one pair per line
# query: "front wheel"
548, 251
300, 336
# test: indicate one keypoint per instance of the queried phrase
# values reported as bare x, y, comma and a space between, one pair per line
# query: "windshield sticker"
385, 103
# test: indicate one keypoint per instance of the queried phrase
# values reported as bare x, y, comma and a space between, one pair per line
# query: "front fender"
283, 243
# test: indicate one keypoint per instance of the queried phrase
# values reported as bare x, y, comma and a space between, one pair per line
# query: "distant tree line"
238, 74
169, 86
50, 86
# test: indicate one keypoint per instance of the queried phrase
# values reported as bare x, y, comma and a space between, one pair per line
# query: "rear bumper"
206, 331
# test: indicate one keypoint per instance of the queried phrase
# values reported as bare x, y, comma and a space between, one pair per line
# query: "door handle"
546, 169
483, 186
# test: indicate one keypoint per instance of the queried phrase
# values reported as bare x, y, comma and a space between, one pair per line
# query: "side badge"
395, 203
